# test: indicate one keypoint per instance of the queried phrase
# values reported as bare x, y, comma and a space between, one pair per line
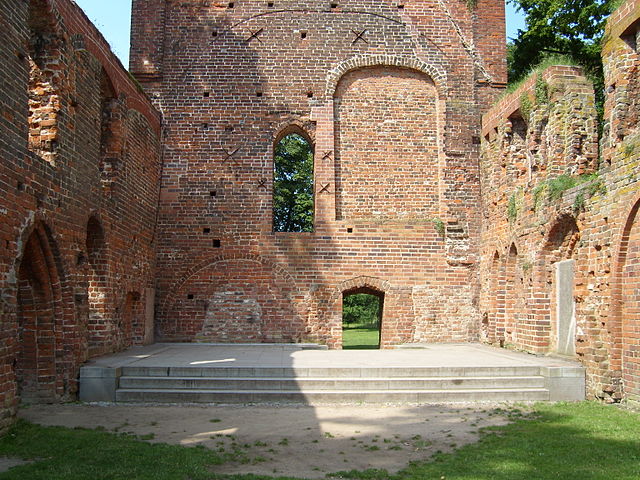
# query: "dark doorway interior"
362, 319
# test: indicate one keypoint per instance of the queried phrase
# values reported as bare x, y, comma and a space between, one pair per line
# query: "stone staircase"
333, 385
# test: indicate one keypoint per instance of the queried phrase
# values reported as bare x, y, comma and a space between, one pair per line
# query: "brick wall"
537, 142
79, 171
390, 93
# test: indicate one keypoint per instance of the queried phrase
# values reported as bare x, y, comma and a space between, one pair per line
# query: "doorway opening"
362, 319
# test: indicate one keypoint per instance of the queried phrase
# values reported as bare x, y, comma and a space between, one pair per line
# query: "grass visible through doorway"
360, 321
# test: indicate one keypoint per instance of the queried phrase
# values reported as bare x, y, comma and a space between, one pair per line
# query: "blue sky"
113, 18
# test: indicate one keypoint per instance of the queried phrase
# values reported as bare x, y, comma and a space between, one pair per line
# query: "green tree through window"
293, 185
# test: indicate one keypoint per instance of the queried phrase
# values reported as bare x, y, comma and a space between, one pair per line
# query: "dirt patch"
299, 441
7, 462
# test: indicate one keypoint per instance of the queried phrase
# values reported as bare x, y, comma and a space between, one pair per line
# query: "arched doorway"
39, 303
362, 312
629, 311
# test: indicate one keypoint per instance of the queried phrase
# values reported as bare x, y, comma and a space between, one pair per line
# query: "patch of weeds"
315, 441
328, 435
370, 474
541, 91
395, 447
420, 444
153, 424
284, 442
512, 208
579, 203
148, 436
215, 420
438, 224
258, 460
372, 448
525, 106
559, 185
258, 443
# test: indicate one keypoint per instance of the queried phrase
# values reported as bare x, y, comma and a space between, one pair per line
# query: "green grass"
586, 441
356, 337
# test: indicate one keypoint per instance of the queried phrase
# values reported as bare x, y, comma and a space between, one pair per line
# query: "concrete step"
328, 372
304, 384
332, 396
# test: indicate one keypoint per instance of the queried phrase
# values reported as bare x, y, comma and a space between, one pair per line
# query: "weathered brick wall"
535, 140
79, 173
390, 92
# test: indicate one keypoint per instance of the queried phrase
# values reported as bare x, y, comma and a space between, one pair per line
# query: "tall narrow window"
46, 73
293, 184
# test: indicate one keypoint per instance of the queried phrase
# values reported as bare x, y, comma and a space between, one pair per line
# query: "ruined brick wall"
79, 173
549, 197
390, 93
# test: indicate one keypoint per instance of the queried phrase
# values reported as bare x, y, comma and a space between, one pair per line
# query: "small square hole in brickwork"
349, 229
259, 94
20, 186
205, 94
475, 140
206, 230
214, 34
213, 193
303, 35
334, 5
190, 296
270, 4
205, 126
217, 243
228, 128
309, 94
400, 6
231, 5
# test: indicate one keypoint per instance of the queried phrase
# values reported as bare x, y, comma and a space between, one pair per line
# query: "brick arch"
40, 314
98, 294
561, 240
624, 327
240, 298
360, 283
304, 128
437, 75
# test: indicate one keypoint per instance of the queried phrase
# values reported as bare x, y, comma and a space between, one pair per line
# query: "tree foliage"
559, 27
362, 309
569, 28
293, 185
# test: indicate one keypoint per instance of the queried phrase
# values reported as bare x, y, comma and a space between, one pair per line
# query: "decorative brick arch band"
334, 75
373, 283
177, 286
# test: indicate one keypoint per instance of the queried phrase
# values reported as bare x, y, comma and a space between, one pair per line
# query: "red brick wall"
69, 252
390, 93
525, 146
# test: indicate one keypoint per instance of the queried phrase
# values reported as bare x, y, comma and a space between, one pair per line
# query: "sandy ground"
300, 441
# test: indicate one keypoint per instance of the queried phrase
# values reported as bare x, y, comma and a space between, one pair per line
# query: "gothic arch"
40, 314
625, 364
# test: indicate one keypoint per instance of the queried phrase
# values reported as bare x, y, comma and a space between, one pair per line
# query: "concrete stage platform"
307, 373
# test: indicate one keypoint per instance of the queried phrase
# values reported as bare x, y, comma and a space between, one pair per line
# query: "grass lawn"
358, 337
585, 441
